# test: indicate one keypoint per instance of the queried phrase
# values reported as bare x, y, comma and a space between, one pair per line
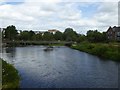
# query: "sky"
41, 15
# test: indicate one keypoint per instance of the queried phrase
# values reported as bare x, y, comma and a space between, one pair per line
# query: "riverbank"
10, 76
107, 51
26, 43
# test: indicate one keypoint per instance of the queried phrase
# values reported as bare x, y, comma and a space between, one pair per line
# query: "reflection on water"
10, 54
61, 68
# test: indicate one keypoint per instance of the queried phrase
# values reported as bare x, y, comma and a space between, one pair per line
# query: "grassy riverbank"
10, 77
103, 50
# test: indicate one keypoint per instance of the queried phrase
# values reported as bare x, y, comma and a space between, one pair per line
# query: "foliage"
10, 33
58, 35
81, 38
37, 37
24, 35
107, 51
70, 35
10, 77
95, 36
48, 36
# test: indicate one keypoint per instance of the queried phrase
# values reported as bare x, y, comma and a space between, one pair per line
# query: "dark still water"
61, 68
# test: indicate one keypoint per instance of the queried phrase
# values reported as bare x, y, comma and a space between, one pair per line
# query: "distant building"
2, 29
53, 31
113, 33
19, 31
37, 32
42, 32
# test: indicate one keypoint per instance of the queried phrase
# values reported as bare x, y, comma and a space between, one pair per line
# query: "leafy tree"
58, 35
104, 37
81, 38
25, 35
95, 36
11, 33
48, 36
37, 37
70, 35
31, 34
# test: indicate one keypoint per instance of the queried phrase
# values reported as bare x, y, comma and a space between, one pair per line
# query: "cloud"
107, 14
60, 15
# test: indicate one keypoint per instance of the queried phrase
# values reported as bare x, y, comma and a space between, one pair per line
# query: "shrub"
10, 77
108, 51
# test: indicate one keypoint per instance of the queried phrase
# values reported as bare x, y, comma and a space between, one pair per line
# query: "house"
2, 31
53, 31
42, 32
113, 33
36, 32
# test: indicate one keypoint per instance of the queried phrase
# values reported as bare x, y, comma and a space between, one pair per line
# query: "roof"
116, 29
53, 30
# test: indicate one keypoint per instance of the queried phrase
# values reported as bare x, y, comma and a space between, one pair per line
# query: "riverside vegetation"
94, 42
103, 50
97, 42
10, 76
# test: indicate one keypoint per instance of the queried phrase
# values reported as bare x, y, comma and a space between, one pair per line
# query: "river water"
62, 67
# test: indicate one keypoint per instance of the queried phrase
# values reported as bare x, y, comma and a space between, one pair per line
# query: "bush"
10, 77
108, 51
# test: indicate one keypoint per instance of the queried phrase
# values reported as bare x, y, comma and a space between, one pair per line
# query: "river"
62, 67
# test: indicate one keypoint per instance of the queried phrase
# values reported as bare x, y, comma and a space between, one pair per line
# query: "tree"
11, 33
81, 38
48, 36
25, 35
31, 34
70, 35
104, 37
58, 35
37, 37
95, 36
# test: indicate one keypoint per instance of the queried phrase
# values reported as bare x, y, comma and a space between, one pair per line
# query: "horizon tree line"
10, 33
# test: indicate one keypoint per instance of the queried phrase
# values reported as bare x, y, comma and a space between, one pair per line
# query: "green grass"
10, 76
103, 50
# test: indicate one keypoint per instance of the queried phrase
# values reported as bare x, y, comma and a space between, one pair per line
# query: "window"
118, 33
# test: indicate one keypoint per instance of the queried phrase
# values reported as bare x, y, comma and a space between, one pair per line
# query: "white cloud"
107, 14
59, 15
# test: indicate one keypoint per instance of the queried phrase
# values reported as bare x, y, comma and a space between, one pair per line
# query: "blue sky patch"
89, 9
13, 2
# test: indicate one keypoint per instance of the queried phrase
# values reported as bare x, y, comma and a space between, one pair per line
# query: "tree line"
11, 33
